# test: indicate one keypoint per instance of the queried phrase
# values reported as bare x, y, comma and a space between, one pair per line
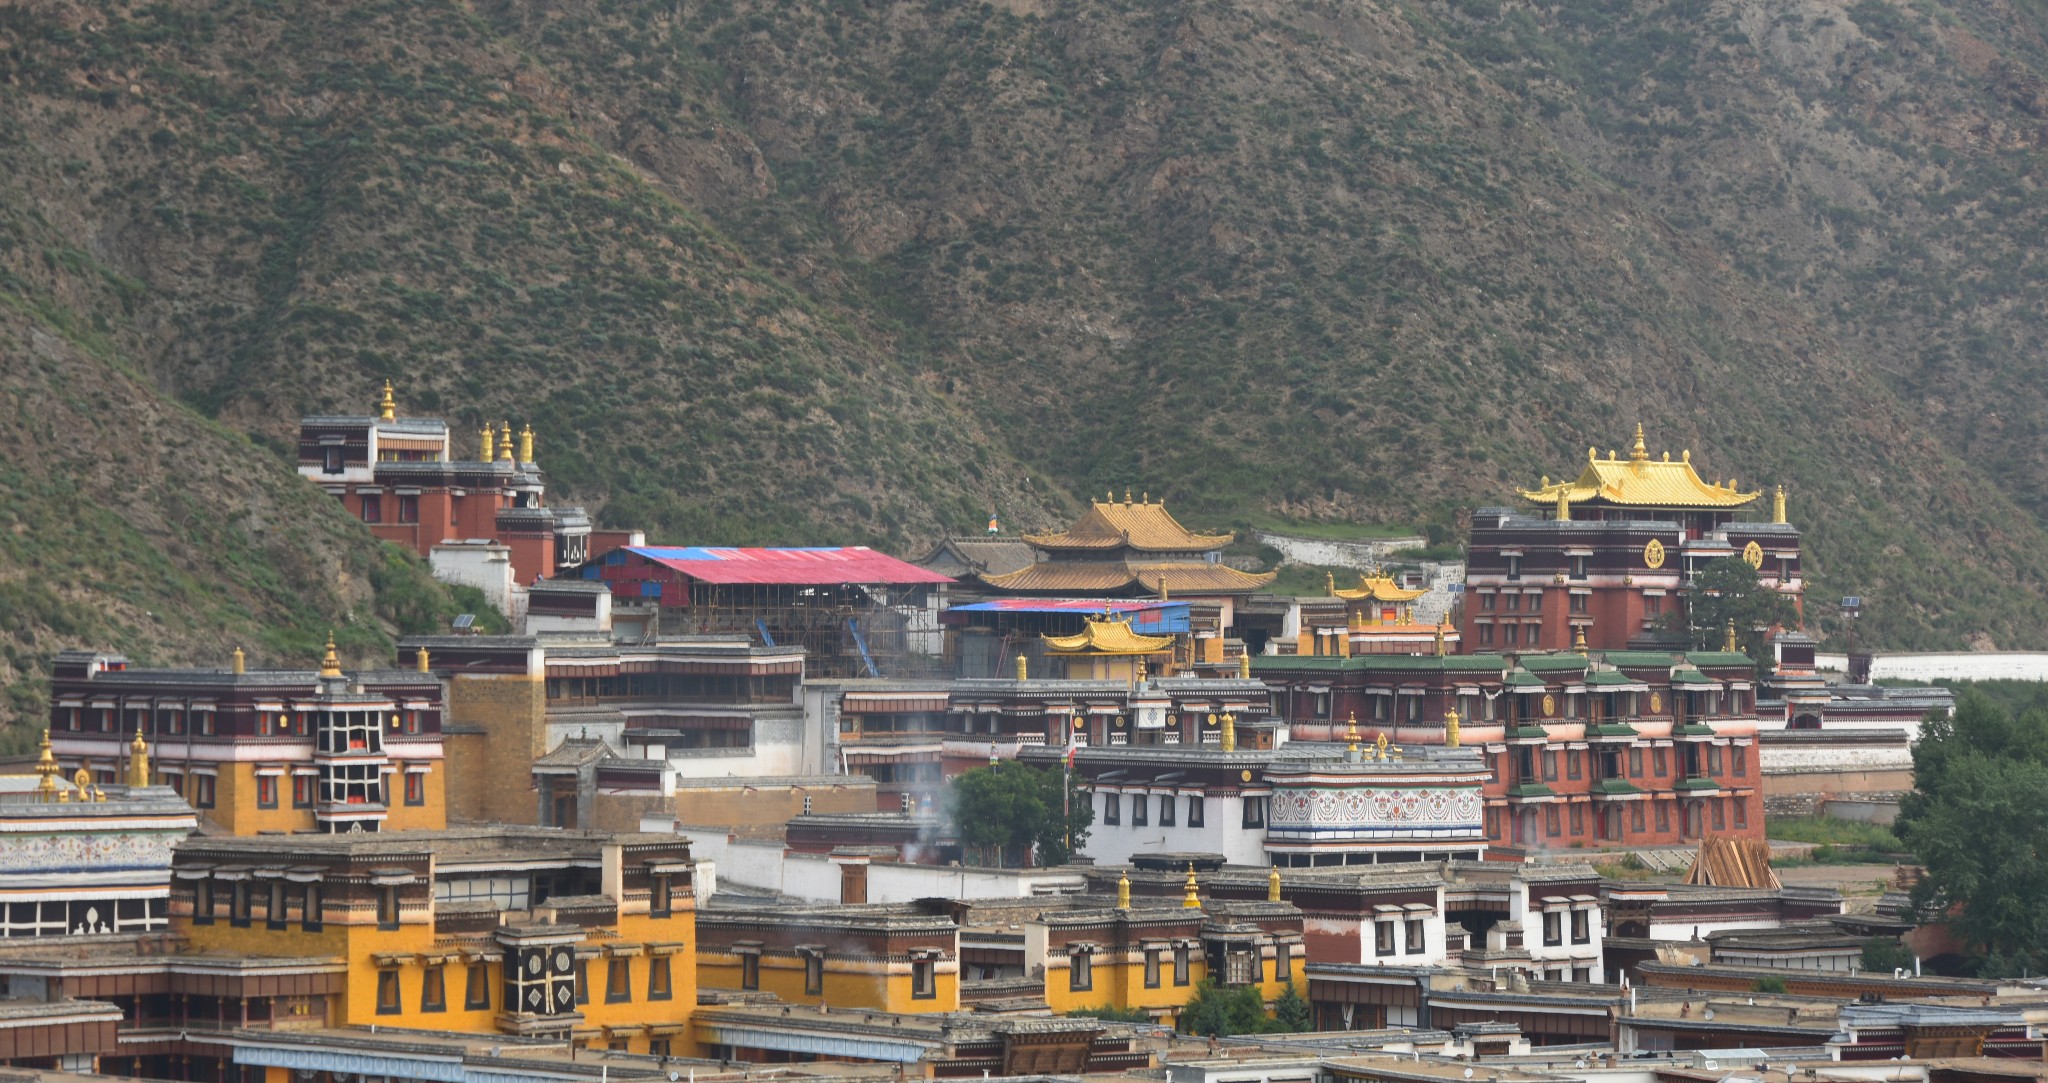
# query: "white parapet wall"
767, 865
1951, 665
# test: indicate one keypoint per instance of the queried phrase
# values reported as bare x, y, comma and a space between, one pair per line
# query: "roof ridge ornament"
387, 408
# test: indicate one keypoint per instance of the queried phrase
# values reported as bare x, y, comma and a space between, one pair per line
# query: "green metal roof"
1640, 659
1537, 733
1688, 675
1553, 663
1523, 679
1695, 784
1693, 729
1718, 658
1530, 789
1614, 786
1611, 729
1608, 676
1405, 663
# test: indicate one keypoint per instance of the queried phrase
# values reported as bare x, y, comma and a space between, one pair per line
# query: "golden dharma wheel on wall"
1753, 555
1653, 554
1549, 705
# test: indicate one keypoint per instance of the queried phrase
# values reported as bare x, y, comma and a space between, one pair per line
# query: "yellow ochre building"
262, 751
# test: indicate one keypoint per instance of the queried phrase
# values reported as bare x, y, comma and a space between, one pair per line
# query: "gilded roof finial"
1351, 731
1109, 496
1729, 643
1545, 483
1641, 452
1439, 641
1023, 668
1451, 736
1330, 583
1667, 455
420, 661
526, 443
46, 766
1192, 900
1127, 496
1778, 505
388, 409
505, 442
82, 778
1146, 497
1610, 455
1381, 745
1685, 456
238, 662
330, 665
1123, 892
490, 444
1733, 485
1273, 885
1228, 739
1579, 641
138, 760
1564, 504
1592, 454
1244, 666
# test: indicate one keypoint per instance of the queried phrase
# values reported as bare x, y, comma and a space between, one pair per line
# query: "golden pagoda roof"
1146, 525
1110, 635
1379, 588
1639, 481
1105, 576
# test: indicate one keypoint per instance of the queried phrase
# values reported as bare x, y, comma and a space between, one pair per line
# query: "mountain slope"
759, 270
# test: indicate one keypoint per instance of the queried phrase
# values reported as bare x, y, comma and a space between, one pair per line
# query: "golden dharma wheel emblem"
1656, 703
1549, 705
1653, 554
1244, 776
1753, 555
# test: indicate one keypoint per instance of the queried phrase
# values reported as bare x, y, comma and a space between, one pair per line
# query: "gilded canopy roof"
1639, 481
1379, 588
1103, 576
1110, 635
1110, 525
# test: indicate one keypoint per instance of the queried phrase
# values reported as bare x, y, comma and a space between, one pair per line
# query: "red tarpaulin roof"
789, 567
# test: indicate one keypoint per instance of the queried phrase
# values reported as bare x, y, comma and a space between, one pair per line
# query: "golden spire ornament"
388, 408
1123, 892
330, 665
1193, 899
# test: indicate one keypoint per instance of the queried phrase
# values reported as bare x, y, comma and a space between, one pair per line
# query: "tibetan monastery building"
1377, 617
400, 476
261, 751
1607, 553
1129, 549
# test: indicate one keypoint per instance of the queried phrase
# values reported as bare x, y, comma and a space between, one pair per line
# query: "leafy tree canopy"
1014, 807
1980, 827
1728, 590
1216, 1011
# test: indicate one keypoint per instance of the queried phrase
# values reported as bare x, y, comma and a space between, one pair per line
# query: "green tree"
1113, 1015
1883, 955
1215, 1011
1726, 591
1012, 808
1291, 1011
1980, 828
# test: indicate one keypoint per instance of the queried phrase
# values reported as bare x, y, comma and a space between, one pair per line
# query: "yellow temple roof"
1379, 588
1110, 635
1639, 481
1103, 576
1113, 525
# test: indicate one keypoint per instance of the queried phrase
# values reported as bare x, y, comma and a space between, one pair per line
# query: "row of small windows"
373, 508
203, 722
1606, 823
619, 984
1520, 763
924, 973
1141, 809
358, 784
